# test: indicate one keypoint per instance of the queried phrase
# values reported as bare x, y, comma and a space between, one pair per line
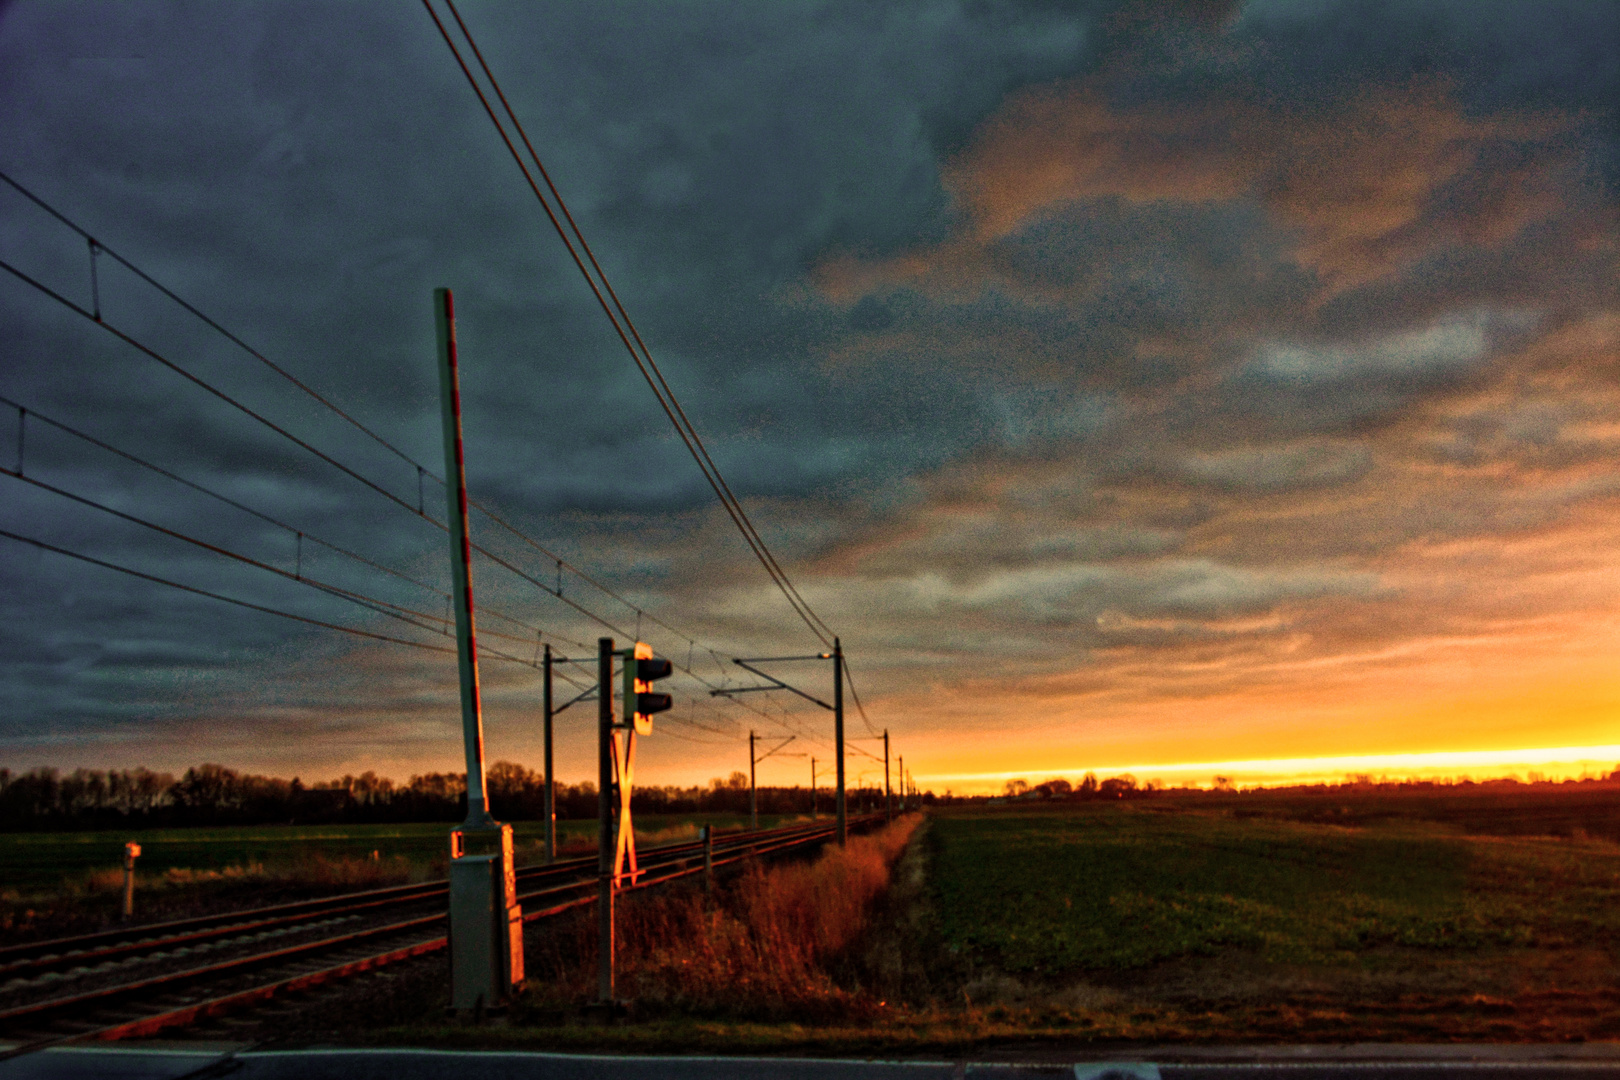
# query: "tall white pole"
455, 473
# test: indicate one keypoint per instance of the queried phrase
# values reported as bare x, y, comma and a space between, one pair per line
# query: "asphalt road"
1362, 1062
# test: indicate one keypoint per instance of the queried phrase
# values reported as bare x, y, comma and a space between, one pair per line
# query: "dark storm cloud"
307, 173
1276, 292
1006, 319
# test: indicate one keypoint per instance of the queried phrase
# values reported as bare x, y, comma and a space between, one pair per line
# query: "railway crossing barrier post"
132, 851
455, 471
486, 924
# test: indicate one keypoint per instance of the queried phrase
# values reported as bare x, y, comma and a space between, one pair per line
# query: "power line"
745, 523
626, 330
387, 608
217, 596
662, 389
418, 511
210, 388
244, 346
301, 534
228, 399
856, 697
422, 470
383, 607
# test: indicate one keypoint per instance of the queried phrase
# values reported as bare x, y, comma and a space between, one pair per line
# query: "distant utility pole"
753, 805
902, 783
550, 808
604, 811
812, 789
837, 709
888, 796
838, 737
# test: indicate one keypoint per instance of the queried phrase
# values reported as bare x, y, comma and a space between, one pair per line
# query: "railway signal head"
641, 667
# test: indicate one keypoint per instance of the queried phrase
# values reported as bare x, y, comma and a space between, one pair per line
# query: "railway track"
140, 980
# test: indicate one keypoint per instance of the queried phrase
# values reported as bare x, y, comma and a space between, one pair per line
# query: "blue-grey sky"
1125, 382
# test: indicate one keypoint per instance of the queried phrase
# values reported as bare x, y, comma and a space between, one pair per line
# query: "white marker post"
132, 851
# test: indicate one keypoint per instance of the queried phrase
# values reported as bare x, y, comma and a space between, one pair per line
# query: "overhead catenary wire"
418, 619
412, 617
356, 631
856, 697
383, 607
209, 387
403, 614
421, 470
625, 329
96, 244
418, 510
745, 522
264, 608
40, 417
278, 429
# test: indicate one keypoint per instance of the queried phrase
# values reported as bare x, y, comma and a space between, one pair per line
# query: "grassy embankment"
71, 882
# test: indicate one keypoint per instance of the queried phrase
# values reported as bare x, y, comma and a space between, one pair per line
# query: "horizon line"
1439, 762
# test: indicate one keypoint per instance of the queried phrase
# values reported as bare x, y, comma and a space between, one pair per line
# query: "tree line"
46, 798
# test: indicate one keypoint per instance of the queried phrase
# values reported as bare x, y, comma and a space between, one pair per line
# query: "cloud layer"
1239, 376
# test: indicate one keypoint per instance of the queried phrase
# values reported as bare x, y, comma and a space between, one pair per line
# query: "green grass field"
1259, 923
1194, 920
34, 863
1112, 891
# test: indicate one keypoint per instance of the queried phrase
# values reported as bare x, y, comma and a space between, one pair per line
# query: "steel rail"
218, 1006
24, 961
28, 950
241, 963
124, 950
740, 847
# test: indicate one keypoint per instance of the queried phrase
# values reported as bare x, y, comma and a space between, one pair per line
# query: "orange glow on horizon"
1551, 763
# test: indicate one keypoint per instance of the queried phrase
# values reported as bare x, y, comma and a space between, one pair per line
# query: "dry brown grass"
89, 901
314, 871
760, 946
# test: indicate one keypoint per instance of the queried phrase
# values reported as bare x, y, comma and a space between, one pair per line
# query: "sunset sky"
1187, 388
